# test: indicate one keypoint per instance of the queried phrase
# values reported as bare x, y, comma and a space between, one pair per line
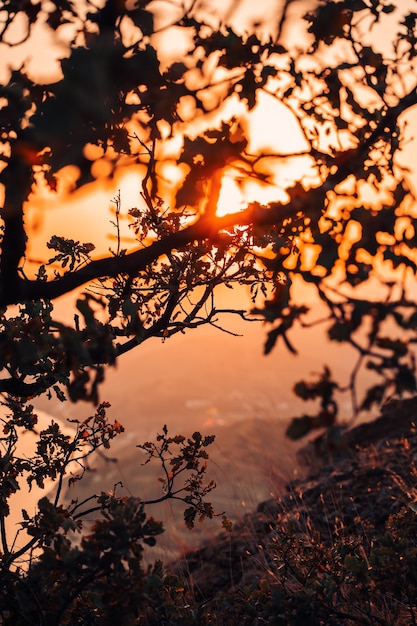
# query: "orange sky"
85, 215
271, 127
226, 376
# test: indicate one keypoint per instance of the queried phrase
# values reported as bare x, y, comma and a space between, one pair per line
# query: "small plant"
61, 568
348, 582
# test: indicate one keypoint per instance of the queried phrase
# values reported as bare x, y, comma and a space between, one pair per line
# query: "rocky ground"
352, 485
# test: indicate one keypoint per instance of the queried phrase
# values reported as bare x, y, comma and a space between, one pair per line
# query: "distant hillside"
353, 519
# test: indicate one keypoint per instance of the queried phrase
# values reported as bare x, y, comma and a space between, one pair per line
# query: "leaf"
86, 311
227, 524
59, 393
405, 380
150, 541
121, 141
299, 427
374, 395
340, 331
176, 71
397, 346
189, 517
272, 337
329, 22
248, 89
143, 19
268, 71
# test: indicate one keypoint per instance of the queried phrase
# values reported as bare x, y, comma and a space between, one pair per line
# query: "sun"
231, 197
277, 155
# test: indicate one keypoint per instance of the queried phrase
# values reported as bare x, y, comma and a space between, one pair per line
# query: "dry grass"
336, 548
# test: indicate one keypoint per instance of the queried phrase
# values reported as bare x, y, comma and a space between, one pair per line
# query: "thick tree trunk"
17, 179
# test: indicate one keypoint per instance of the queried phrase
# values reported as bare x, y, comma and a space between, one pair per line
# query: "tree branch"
19, 389
110, 267
210, 227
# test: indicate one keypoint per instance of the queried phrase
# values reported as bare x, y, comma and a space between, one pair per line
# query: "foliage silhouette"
340, 223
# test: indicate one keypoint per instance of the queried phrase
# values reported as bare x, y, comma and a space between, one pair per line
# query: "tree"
346, 217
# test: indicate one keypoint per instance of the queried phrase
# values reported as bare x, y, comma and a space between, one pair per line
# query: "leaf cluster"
67, 569
178, 455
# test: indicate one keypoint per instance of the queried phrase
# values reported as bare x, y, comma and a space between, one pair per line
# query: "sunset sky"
202, 379
86, 214
271, 127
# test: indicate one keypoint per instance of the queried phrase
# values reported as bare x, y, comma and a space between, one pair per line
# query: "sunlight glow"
272, 128
278, 155
130, 188
231, 198
101, 168
171, 173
